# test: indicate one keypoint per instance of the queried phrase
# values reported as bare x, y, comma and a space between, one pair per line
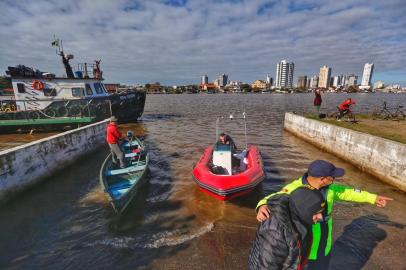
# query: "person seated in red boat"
237, 158
344, 107
225, 139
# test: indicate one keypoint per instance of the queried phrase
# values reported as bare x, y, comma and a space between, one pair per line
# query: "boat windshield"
222, 147
99, 88
78, 92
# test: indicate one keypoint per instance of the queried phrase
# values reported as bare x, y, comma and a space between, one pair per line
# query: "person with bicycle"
344, 107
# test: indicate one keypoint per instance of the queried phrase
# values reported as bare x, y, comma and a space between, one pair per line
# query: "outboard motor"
130, 135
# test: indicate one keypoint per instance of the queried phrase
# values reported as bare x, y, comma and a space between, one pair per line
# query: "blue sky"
177, 41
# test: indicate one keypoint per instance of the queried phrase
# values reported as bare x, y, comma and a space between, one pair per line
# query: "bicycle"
385, 114
348, 116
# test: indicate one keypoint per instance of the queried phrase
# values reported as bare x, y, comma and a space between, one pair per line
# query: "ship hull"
64, 115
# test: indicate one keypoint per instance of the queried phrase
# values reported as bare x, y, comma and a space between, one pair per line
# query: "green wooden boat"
123, 184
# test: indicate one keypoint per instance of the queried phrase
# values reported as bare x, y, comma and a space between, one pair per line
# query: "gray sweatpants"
116, 153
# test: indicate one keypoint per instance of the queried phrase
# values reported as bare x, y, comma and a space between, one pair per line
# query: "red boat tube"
226, 187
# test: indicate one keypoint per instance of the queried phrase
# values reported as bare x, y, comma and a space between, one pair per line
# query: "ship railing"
94, 109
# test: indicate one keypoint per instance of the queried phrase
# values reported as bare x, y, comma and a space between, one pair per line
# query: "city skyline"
176, 41
325, 78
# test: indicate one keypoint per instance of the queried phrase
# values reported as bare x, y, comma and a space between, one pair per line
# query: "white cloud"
145, 41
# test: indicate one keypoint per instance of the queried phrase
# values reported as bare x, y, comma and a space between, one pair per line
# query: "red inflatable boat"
232, 184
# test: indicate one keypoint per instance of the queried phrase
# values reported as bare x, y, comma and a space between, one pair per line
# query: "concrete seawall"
25, 165
380, 157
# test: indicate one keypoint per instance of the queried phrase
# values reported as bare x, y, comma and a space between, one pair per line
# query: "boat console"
222, 158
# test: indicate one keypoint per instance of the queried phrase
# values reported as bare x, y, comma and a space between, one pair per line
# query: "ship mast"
57, 43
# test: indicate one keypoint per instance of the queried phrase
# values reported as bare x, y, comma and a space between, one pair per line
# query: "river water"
66, 222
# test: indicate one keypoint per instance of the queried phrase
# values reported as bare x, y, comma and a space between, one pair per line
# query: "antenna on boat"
57, 43
244, 115
217, 128
232, 117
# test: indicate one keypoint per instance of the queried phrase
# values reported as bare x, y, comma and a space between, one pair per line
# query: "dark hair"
222, 134
305, 202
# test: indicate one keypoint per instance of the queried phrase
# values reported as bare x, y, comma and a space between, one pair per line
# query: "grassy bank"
388, 129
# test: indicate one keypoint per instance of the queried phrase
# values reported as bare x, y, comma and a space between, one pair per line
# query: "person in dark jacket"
317, 100
283, 241
227, 140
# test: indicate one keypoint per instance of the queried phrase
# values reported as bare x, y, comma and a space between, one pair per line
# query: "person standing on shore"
321, 175
113, 138
317, 100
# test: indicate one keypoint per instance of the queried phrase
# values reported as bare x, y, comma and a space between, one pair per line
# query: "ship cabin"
35, 90
38, 93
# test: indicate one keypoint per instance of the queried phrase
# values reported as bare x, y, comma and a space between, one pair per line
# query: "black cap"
320, 168
305, 202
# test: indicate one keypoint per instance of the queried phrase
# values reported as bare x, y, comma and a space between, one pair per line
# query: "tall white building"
324, 76
338, 81
284, 74
314, 81
350, 80
269, 79
342, 80
205, 79
367, 74
221, 80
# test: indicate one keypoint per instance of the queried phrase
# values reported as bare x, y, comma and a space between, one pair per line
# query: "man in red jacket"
113, 139
344, 107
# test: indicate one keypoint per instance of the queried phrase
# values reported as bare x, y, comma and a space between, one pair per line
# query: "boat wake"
95, 196
159, 198
157, 240
176, 237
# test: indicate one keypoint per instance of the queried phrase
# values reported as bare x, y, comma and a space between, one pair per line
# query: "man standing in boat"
321, 175
113, 139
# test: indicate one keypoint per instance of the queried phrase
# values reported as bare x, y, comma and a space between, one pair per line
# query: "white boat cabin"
38, 93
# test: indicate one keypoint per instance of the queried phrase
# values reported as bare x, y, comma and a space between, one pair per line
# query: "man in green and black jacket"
320, 175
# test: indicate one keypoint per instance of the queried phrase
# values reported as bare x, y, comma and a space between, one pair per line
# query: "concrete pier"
25, 165
380, 157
